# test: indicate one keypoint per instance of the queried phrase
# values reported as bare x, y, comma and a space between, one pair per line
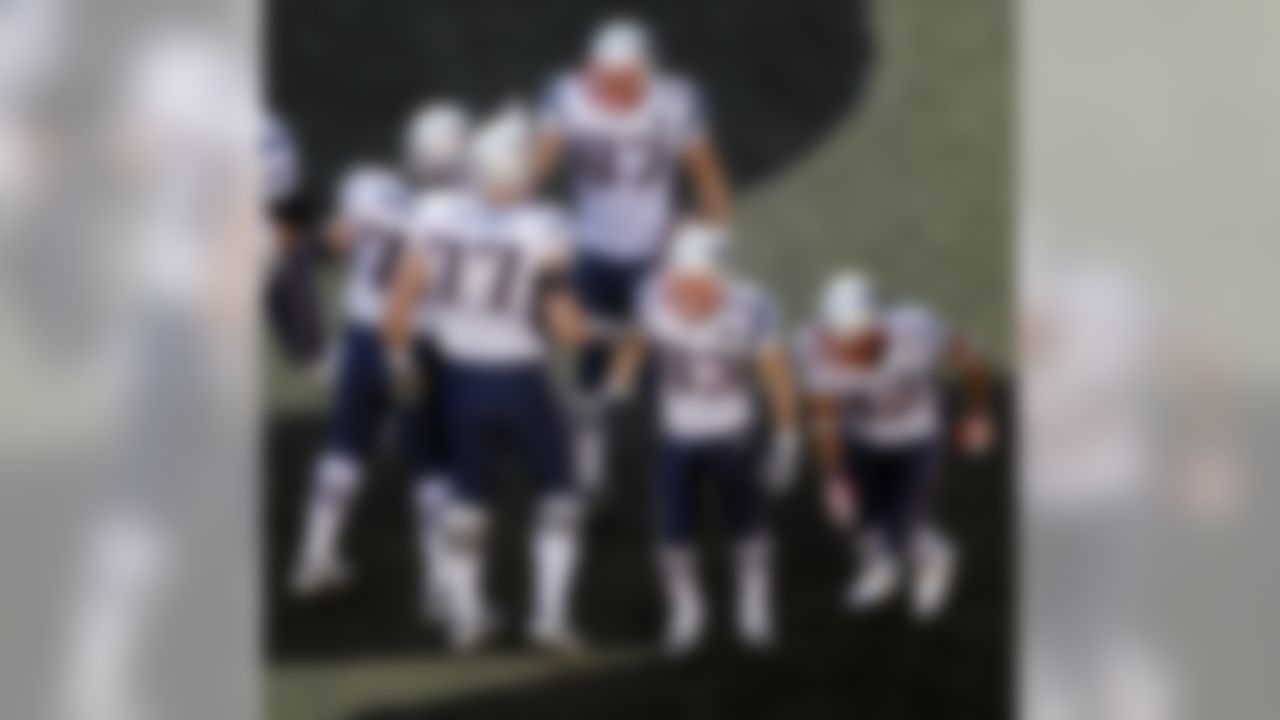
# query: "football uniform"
291, 306
487, 267
376, 205
623, 169
373, 204
891, 416
705, 376
623, 166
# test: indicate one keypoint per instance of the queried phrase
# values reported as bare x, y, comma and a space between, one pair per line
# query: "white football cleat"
314, 579
684, 631
932, 582
875, 585
755, 627
556, 638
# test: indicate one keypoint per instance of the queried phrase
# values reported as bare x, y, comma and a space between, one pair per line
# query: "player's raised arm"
700, 157
710, 184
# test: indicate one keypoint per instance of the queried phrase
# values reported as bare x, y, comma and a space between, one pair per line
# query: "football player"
494, 261
435, 147
625, 130
370, 225
713, 338
873, 372
293, 313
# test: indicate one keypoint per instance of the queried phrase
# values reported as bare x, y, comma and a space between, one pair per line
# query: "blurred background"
1139, 216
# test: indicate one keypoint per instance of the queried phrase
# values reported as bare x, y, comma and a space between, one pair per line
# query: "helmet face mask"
696, 295
619, 63
619, 89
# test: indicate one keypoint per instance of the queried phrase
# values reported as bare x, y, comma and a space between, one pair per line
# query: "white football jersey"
894, 402
485, 266
706, 368
374, 203
624, 166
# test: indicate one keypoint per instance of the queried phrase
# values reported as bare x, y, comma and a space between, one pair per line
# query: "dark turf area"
830, 665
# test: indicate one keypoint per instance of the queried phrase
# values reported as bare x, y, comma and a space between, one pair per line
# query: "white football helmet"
621, 44
501, 157
698, 248
436, 139
847, 306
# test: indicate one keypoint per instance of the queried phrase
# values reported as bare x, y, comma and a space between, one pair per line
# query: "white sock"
680, 582
333, 489
754, 609
432, 500
466, 528
933, 562
555, 551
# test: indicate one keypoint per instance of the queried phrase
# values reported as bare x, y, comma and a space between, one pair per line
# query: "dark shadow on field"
346, 75
830, 665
